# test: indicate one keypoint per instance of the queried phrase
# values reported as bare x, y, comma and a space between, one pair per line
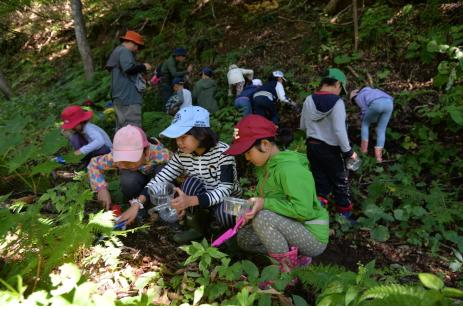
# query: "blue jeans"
244, 104
380, 110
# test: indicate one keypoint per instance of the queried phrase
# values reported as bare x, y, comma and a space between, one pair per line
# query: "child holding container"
286, 215
210, 174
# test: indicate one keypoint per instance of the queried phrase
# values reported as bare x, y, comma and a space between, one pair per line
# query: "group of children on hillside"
289, 217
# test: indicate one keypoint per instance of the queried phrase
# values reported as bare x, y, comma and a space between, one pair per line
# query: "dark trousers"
132, 183
194, 186
78, 140
265, 107
166, 92
329, 171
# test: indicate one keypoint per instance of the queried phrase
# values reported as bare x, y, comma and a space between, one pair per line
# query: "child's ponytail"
284, 137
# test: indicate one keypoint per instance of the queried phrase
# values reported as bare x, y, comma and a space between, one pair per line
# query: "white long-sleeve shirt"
96, 138
281, 92
236, 75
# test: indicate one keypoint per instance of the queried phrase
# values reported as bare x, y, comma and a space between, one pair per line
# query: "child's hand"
257, 205
105, 197
130, 214
181, 202
77, 152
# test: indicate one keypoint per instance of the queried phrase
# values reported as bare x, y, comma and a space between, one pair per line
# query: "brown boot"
379, 154
364, 147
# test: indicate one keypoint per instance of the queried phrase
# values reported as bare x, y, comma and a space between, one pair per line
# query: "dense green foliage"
412, 50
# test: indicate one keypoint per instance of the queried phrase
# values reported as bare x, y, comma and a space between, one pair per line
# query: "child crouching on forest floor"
286, 215
85, 137
210, 174
137, 160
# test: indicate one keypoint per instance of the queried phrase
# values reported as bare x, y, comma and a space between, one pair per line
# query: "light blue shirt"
96, 138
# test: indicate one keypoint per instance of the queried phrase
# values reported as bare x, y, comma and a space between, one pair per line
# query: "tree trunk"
81, 37
5, 87
356, 24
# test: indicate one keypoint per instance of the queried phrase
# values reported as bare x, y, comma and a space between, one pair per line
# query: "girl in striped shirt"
210, 174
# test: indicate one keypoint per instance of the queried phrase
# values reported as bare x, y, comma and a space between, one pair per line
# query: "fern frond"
387, 291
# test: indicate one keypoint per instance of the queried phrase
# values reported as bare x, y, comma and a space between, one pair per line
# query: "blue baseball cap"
178, 81
208, 71
180, 51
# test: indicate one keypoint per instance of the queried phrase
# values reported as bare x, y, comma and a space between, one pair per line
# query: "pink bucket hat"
129, 143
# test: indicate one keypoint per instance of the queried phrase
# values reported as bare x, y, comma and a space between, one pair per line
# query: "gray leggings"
271, 233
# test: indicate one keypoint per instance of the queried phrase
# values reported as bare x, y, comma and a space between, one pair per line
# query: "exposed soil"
155, 247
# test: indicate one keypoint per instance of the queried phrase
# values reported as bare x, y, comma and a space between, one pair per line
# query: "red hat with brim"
73, 115
248, 130
134, 37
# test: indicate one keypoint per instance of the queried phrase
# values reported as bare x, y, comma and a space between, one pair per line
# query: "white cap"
185, 119
257, 82
279, 74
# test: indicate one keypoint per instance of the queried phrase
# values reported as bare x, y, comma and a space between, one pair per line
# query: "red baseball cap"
248, 130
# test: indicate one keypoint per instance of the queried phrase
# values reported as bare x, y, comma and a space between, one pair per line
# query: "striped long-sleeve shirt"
216, 169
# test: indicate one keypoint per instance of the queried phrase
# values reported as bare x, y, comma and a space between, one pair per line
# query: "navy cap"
178, 81
208, 71
180, 51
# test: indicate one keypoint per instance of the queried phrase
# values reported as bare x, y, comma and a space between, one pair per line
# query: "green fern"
35, 245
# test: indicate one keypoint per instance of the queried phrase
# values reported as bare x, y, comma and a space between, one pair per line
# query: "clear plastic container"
353, 165
236, 206
161, 196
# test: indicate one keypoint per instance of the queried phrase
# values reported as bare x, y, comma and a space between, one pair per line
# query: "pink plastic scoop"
228, 234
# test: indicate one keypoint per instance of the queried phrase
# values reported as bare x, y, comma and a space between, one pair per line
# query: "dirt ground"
156, 247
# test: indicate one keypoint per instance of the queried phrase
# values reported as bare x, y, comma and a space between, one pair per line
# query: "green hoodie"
289, 190
204, 94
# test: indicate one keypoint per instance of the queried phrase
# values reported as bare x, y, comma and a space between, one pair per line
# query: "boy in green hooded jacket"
287, 217
205, 90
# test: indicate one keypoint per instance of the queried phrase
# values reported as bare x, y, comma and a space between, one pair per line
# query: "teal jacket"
289, 190
204, 94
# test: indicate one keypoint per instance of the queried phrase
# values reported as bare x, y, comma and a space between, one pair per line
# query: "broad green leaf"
215, 253
52, 142
216, 290
198, 294
351, 294
455, 266
399, 214
25, 154
431, 281
434, 47
271, 273
71, 158
251, 270
342, 59
244, 298
45, 168
452, 292
145, 279
456, 113
380, 233
299, 301
264, 300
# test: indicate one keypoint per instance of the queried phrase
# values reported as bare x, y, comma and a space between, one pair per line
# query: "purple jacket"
367, 95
